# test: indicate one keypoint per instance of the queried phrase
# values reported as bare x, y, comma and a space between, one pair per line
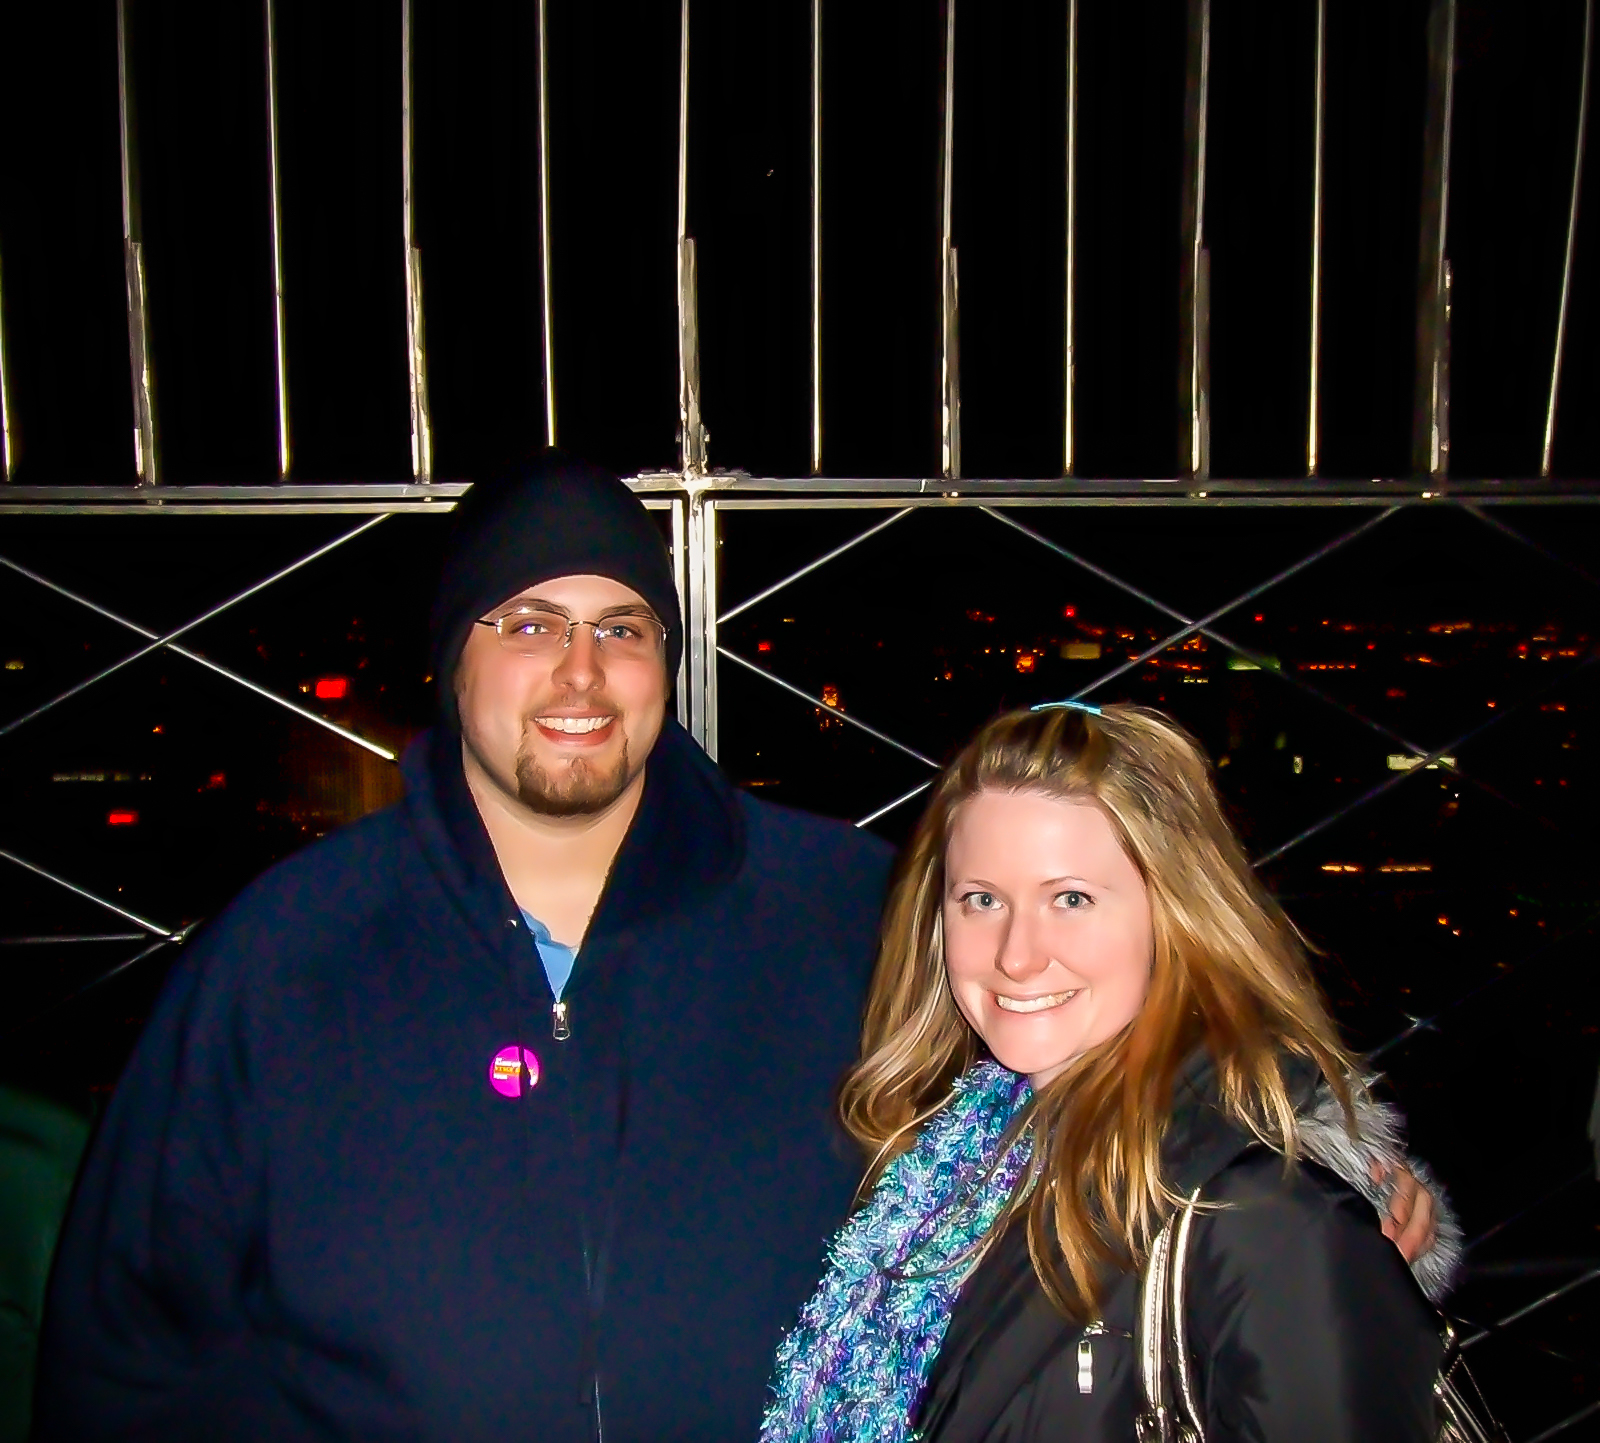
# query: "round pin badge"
506, 1070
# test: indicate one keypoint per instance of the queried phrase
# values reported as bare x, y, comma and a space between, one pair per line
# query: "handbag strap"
1163, 1337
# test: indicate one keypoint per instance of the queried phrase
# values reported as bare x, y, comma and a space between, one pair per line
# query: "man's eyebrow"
631, 608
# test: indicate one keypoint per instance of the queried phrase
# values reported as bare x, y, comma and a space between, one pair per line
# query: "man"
506, 1112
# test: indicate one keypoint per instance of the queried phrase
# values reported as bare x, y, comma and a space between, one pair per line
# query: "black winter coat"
1304, 1324
309, 1215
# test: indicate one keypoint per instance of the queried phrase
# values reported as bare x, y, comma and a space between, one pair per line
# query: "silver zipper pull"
560, 1028
1095, 1329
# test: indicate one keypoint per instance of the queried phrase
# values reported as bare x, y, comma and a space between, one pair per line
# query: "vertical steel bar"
1314, 393
708, 594
949, 292
416, 342
816, 237
1430, 436
1194, 381
1069, 306
8, 457
144, 412
270, 9
702, 649
691, 433
680, 581
546, 321
1572, 237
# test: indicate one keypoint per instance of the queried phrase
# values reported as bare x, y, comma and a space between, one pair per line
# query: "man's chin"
575, 789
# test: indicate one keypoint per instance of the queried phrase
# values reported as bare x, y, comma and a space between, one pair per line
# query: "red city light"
1069, 612
332, 688
122, 819
763, 646
216, 781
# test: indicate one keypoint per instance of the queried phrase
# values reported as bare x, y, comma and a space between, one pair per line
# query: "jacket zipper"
560, 1027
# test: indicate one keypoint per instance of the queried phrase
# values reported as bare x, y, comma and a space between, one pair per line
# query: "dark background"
1465, 899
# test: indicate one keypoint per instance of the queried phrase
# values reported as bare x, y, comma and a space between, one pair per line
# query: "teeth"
1033, 1004
574, 724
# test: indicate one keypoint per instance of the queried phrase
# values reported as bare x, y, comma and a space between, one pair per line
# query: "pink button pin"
505, 1070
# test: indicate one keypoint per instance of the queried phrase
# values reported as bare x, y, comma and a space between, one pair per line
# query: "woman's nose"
1022, 954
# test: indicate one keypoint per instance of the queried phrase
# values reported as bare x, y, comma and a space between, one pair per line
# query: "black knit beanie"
556, 516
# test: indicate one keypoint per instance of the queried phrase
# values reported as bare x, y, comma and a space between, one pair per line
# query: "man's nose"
581, 664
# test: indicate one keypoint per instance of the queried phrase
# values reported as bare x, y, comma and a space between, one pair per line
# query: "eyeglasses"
543, 631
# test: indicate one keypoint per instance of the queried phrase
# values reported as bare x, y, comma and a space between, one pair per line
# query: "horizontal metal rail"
825, 493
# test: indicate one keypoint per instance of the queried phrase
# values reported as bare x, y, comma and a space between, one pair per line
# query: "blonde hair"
1228, 973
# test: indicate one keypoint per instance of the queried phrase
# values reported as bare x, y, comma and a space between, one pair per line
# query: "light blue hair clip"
1072, 705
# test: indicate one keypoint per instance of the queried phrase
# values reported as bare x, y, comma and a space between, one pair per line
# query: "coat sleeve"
1306, 1325
146, 1318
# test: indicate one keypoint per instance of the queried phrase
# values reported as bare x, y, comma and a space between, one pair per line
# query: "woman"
1084, 1009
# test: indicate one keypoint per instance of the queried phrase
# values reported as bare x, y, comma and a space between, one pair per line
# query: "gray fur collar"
1325, 1138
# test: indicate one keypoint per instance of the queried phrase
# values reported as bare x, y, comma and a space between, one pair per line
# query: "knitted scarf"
854, 1367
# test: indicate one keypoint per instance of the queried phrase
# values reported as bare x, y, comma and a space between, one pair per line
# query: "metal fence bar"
691, 430
1205, 621
1428, 1024
1587, 1411
1194, 364
8, 455
74, 937
88, 896
817, 701
188, 626
269, 8
416, 338
949, 281
1430, 438
816, 237
899, 801
1069, 317
1516, 1317
206, 662
546, 302
1496, 524
811, 566
1449, 747
144, 405
1572, 239
1204, 627
126, 964
1314, 388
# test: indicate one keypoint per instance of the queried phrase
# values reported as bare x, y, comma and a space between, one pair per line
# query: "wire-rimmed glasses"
623, 634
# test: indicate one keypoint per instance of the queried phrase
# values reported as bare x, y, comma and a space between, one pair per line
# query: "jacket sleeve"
148, 1300
1307, 1326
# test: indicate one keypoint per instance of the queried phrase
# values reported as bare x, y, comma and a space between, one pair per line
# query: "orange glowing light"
763, 646
1025, 660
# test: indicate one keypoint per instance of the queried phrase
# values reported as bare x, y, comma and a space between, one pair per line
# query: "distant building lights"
1299, 765
331, 688
1406, 867
15, 664
216, 781
1260, 616
1341, 866
1026, 661
763, 646
1069, 612
122, 819
1402, 762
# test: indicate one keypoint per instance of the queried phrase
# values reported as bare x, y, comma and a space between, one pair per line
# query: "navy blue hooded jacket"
309, 1215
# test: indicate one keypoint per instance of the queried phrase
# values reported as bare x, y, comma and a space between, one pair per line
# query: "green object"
41, 1144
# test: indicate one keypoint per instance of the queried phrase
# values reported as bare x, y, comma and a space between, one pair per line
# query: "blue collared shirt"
557, 959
